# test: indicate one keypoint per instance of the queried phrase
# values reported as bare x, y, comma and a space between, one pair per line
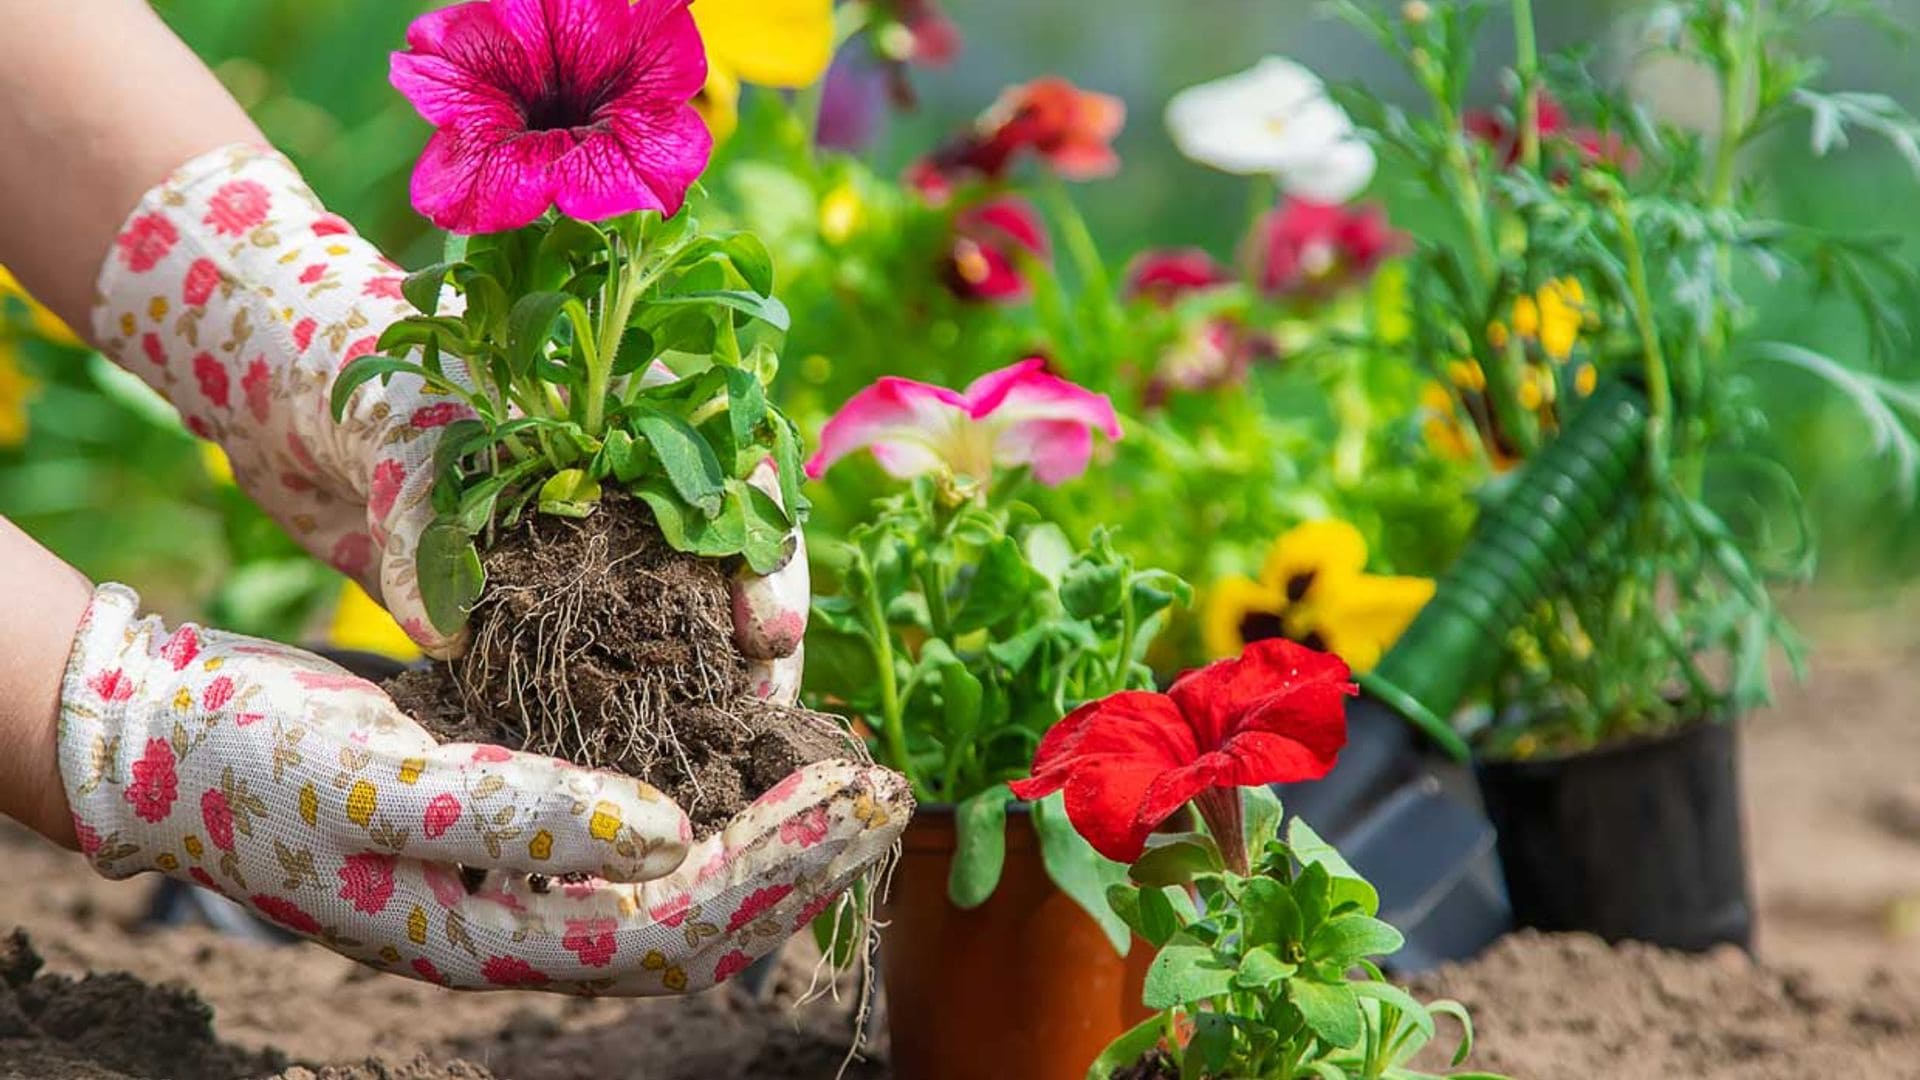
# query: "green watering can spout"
1555, 508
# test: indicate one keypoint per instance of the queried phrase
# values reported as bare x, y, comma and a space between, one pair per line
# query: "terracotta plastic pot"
1025, 985
1638, 841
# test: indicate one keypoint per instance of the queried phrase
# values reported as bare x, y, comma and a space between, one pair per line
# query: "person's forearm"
45, 600
98, 102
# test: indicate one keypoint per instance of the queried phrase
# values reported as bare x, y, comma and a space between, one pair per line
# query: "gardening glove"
232, 292
278, 779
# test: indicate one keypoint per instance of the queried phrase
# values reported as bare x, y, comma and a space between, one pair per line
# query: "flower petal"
781, 43
633, 161
471, 39
1058, 450
468, 183
1272, 684
1314, 550
582, 43
1107, 754
905, 423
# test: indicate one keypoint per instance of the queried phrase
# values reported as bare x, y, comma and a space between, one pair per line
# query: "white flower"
1276, 118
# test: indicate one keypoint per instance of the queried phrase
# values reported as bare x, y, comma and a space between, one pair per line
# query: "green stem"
613, 323
892, 724
1096, 286
1527, 66
1659, 385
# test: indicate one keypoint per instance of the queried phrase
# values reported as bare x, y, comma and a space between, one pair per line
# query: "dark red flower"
591, 940
156, 352
1165, 275
1555, 128
388, 477
1314, 249
155, 783
988, 242
1070, 129
286, 913
1273, 715
511, 971
218, 816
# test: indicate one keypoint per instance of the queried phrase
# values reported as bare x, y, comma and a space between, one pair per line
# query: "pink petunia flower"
1017, 416
366, 881
584, 104
286, 913
988, 242
1315, 249
218, 816
591, 940
155, 783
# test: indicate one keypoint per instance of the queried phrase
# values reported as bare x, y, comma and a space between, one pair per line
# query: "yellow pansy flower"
780, 43
1314, 589
360, 623
41, 322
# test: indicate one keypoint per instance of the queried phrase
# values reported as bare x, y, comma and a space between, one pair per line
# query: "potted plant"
963, 626
1593, 288
1264, 969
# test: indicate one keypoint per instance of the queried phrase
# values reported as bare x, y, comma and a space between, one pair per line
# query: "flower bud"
1416, 12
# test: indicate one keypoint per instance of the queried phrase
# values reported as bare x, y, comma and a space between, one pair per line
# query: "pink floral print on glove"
276, 778
238, 297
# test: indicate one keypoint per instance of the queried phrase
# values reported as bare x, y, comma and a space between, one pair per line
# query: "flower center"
562, 107
1261, 626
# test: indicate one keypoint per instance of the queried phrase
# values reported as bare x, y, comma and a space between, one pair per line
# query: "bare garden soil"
1833, 789
596, 642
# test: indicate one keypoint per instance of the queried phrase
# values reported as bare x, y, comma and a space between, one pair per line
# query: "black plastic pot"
1639, 841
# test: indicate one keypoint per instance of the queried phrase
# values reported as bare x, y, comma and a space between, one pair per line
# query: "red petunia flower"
1315, 249
1591, 146
988, 240
1165, 275
1273, 715
581, 103
1070, 129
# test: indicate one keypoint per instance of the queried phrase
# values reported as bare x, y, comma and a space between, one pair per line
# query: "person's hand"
276, 778
235, 294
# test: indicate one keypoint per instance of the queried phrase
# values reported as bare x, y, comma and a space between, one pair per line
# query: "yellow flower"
43, 323
214, 461
361, 800
780, 43
17, 390
1554, 317
605, 822
841, 213
359, 623
1314, 589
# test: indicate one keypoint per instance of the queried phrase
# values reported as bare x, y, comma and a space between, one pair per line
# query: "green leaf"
569, 493
422, 287
1262, 969
686, 529
1159, 921
487, 306
1175, 859
1348, 887
960, 692
1080, 872
457, 440
767, 539
623, 457
980, 847
1209, 1048
1184, 974
1410, 1010
1260, 814
565, 242
746, 407
689, 462
363, 369
749, 257
765, 308
450, 574
417, 331
635, 351
1127, 1049
1346, 938
1092, 590
1330, 1009
1311, 895
1000, 586
1269, 913
787, 466
530, 327
837, 930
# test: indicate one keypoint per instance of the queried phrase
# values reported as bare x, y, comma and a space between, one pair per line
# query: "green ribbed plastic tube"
1557, 505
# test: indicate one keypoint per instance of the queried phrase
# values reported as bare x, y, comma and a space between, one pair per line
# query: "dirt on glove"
596, 642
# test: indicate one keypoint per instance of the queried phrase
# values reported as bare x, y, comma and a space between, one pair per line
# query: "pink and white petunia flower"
1016, 416
580, 103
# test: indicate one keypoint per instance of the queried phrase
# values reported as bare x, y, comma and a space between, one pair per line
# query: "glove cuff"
105, 766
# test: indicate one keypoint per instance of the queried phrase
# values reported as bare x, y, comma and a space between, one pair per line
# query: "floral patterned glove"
278, 779
234, 293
